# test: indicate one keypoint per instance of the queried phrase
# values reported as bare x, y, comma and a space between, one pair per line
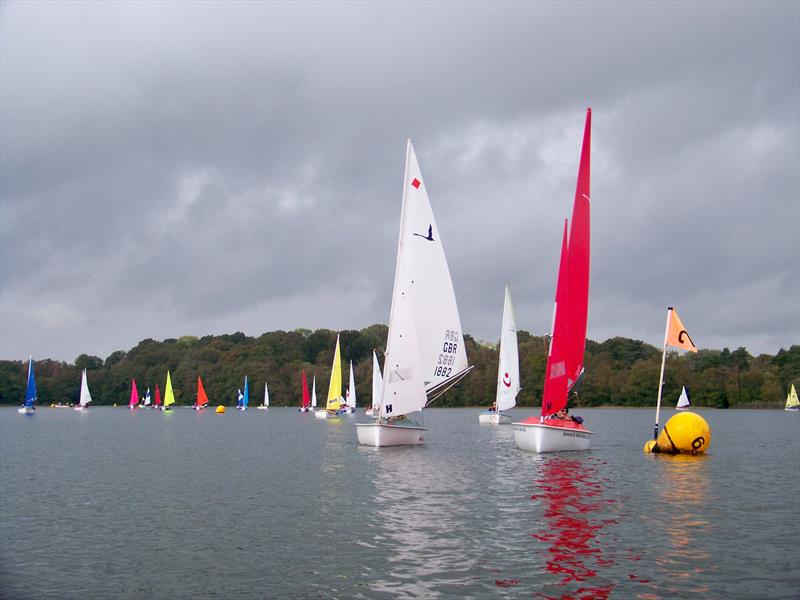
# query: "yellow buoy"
220, 409
684, 433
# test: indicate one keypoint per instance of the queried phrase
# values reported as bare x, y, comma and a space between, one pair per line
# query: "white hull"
540, 437
380, 435
792, 409
80, 408
303, 409
494, 418
321, 414
262, 407
26, 410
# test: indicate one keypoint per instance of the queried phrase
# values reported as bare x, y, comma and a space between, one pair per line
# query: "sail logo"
416, 183
507, 380
428, 237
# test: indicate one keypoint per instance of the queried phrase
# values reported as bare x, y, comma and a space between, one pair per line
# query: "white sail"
86, 397
377, 382
508, 385
351, 389
147, 399
266, 394
683, 400
314, 393
425, 345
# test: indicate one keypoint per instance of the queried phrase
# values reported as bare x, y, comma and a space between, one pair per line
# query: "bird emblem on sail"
507, 380
428, 237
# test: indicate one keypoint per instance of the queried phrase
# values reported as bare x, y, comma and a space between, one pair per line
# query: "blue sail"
30, 392
246, 399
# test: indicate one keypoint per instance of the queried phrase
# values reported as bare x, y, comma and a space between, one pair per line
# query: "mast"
661, 378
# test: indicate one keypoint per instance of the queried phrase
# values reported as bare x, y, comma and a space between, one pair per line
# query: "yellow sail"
335, 386
792, 400
169, 396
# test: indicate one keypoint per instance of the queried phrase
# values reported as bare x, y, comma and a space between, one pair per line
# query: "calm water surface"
278, 504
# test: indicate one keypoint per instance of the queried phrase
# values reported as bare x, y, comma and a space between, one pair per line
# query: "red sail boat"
158, 397
134, 401
202, 399
554, 430
306, 405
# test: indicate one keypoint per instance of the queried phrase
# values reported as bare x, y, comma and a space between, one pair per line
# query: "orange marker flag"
677, 335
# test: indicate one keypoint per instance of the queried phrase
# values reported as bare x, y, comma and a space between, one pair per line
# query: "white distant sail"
147, 398
314, 393
508, 385
351, 389
683, 400
86, 397
266, 394
425, 347
377, 383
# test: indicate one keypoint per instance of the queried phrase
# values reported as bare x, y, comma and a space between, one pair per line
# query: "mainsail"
425, 352
377, 382
335, 386
351, 389
571, 308
85, 396
169, 395
202, 399
134, 399
508, 385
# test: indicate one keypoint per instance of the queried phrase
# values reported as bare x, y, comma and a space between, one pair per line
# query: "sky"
171, 169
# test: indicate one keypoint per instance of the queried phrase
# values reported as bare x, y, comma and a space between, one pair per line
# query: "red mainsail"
306, 397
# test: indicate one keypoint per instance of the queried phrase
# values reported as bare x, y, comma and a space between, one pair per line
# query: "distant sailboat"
147, 402
85, 397
28, 407
335, 404
134, 399
425, 354
683, 400
508, 385
202, 399
351, 393
554, 430
314, 392
265, 406
306, 400
158, 397
169, 395
244, 398
792, 403
377, 384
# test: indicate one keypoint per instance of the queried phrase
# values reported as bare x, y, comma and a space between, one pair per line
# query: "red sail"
158, 396
555, 382
202, 399
306, 397
570, 318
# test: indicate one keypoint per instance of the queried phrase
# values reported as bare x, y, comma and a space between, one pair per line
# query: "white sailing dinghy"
350, 397
792, 402
85, 397
507, 369
425, 354
550, 432
314, 392
683, 400
265, 406
377, 384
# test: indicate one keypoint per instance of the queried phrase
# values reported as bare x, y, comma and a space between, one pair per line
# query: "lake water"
278, 504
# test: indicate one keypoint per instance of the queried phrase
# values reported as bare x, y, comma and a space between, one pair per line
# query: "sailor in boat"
563, 415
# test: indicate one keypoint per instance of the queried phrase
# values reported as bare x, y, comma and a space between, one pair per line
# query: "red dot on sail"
415, 183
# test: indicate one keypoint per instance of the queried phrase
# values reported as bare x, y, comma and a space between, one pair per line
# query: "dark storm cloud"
193, 168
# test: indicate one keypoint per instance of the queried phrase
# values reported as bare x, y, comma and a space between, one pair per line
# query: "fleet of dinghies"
425, 354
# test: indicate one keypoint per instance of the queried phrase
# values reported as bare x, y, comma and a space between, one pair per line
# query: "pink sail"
134, 395
306, 397
570, 319
158, 396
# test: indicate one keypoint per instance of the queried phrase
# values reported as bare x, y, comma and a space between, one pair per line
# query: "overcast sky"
199, 168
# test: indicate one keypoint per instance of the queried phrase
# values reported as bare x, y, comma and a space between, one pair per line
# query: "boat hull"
262, 407
303, 409
792, 409
80, 408
321, 414
494, 418
551, 436
381, 435
26, 410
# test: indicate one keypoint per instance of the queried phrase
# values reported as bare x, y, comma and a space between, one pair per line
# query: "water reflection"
423, 533
681, 522
575, 511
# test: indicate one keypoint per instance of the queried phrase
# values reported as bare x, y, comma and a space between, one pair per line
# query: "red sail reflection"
574, 514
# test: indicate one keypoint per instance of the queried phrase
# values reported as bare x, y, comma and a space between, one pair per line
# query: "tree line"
619, 371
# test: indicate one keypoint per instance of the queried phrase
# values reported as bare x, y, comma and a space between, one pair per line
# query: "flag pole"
661, 378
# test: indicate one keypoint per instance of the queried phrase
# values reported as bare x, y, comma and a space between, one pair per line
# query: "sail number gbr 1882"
447, 357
